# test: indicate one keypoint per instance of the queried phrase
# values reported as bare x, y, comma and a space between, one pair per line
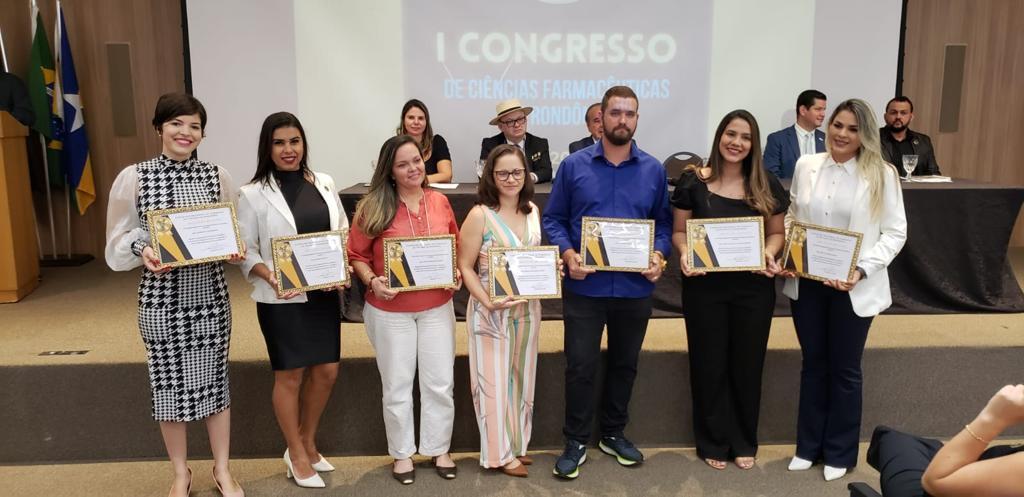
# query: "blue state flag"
75, 154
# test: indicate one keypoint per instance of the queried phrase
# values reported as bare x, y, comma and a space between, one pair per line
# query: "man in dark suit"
898, 140
786, 145
593, 117
511, 120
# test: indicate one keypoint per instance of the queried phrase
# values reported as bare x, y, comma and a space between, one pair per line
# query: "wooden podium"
19, 253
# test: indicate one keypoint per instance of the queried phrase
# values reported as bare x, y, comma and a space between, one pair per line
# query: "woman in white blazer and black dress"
852, 188
302, 329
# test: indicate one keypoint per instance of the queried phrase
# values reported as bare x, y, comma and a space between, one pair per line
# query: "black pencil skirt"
302, 334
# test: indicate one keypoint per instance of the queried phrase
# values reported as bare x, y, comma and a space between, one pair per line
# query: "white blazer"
263, 213
883, 237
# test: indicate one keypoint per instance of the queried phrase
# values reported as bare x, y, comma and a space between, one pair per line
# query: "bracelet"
975, 435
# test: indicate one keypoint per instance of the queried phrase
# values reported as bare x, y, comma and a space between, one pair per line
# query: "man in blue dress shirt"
615, 179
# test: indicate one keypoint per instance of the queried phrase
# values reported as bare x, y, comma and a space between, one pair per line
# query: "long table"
954, 261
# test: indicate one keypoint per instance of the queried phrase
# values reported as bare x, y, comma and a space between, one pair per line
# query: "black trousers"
901, 459
832, 341
585, 319
728, 318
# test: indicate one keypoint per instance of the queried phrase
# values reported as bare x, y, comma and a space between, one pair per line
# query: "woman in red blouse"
408, 329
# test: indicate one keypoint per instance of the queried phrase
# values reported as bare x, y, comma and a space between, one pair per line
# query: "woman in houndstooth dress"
184, 313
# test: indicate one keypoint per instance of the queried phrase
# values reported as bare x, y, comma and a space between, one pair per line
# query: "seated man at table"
511, 120
786, 145
593, 118
898, 140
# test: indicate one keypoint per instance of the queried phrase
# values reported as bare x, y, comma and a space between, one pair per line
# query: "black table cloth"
954, 261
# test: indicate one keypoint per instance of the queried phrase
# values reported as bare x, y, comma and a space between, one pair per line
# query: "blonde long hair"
872, 166
376, 211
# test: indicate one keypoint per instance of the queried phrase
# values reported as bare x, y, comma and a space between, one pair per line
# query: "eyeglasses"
515, 173
514, 122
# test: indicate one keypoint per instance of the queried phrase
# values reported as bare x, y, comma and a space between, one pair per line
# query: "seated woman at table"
436, 158
301, 329
413, 331
729, 314
848, 187
909, 466
503, 333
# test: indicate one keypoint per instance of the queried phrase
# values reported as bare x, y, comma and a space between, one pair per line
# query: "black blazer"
537, 157
922, 145
581, 144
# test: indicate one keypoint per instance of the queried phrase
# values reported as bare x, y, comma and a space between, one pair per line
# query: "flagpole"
3, 51
34, 10
35, 216
49, 200
58, 41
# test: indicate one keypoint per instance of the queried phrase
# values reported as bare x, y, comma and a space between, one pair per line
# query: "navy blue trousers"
832, 340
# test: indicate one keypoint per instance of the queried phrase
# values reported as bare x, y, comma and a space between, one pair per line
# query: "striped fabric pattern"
503, 356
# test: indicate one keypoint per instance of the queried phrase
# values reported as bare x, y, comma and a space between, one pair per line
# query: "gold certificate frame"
288, 269
701, 254
502, 283
594, 251
167, 242
795, 256
399, 270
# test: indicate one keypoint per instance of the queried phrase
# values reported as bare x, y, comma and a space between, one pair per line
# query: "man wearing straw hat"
511, 120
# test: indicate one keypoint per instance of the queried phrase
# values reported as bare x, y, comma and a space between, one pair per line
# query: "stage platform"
75, 384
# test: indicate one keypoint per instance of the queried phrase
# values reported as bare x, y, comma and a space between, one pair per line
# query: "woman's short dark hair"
264, 160
487, 189
171, 105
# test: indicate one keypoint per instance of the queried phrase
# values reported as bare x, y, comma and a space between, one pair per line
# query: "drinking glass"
909, 164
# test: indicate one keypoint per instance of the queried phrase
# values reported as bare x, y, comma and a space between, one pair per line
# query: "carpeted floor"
91, 308
667, 472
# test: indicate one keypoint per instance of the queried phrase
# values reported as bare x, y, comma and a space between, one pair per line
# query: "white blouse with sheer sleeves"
124, 226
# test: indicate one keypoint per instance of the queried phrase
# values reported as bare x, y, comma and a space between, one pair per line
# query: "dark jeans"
585, 319
832, 340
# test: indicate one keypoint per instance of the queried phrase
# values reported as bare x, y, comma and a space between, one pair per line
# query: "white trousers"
401, 340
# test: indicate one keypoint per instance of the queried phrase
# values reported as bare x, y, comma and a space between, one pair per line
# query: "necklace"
412, 228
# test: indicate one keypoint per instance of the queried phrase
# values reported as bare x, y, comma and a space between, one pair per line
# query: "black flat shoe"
406, 478
448, 473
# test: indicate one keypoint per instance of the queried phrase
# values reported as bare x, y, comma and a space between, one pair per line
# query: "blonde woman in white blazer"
301, 329
849, 187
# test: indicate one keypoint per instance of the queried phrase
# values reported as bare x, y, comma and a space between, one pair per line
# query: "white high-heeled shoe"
833, 473
322, 466
800, 464
312, 482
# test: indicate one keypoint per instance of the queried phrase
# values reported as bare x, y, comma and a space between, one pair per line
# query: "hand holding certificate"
310, 261
612, 244
821, 253
725, 244
420, 263
194, 235
524, 273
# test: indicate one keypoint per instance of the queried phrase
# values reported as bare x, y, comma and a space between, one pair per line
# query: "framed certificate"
419, 262
310, 261
194, 235
725, 244
524, 272
821, 253
613, 244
